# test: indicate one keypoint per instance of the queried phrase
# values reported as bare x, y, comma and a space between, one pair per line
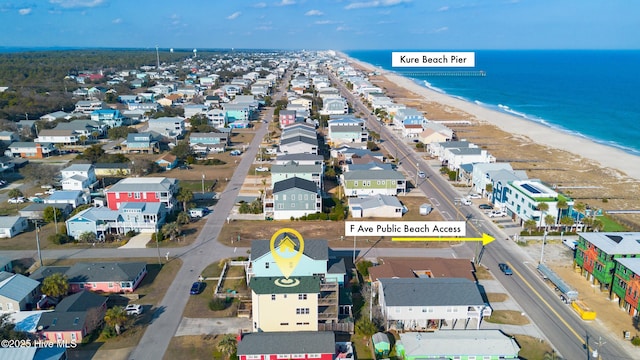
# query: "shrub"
218, 304
58, 239
131, 233
363, 267
109, 332
635, 341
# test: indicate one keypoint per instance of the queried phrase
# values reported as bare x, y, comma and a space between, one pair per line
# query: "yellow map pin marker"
283, 249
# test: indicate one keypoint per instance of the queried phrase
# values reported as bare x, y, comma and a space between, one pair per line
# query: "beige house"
302, 101
280, 304
434, 133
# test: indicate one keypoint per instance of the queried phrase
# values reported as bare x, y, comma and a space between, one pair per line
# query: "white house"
381, 206
78, 177
11, 226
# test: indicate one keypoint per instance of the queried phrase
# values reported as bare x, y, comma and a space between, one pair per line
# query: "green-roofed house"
280, 304
373, 182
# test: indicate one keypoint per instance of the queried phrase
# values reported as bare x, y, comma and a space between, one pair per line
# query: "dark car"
197, 288
486, 206
505, 269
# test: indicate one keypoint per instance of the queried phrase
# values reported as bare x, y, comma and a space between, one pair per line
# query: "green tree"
366, 327
566, 221
227, 345
52, 214
117, 318
39, 174
184, 196
7, 329
363, 267
83, 139
172, 230
530, 225
55, 285
549, 220
183, 218
120, 132
92, 153
543, 207
580, 208
562, 205
182, 150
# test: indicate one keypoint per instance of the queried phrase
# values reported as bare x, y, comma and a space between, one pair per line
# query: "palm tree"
580, 208
184, 196
55, 285
549, 220
530, 225
116, 317
562, 206
566, 221
172, 230
543, 207
227, 345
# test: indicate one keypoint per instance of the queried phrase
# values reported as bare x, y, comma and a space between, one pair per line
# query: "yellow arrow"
485, 239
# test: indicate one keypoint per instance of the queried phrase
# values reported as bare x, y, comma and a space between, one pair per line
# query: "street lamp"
38, 242
203, 183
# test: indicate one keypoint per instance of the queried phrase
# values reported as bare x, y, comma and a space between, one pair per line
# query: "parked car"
134, 309
505, 269
486, 206
50, 191
36, 199
197, 288
18, 200
497, 213
235, 153
474, 196
465, 201
422, 175
261, 169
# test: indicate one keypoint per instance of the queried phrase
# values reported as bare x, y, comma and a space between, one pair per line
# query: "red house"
143, 189
75, 317
107, 277
287, 345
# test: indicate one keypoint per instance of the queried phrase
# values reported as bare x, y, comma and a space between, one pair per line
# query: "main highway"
570, 336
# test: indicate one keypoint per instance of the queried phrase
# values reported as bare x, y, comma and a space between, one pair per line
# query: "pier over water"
444, 73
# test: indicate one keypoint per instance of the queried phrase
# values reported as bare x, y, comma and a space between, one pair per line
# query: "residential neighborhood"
159, 209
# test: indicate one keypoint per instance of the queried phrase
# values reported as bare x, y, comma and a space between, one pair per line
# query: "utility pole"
599, 345
202, 183
38, 242
158, 244
544, 240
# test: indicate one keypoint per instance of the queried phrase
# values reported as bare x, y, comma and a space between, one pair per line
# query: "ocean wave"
428, 85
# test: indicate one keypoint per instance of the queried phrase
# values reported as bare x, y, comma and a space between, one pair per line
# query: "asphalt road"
571, 337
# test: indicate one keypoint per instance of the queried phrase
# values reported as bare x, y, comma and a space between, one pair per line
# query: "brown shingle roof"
430, 267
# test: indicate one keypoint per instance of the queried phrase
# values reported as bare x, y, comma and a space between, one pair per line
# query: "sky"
322, 24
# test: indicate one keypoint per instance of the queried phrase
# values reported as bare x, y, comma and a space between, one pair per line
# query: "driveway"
137, 242
201, 326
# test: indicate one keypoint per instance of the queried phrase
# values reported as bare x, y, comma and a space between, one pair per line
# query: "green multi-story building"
597, 252
373, 182
626, 284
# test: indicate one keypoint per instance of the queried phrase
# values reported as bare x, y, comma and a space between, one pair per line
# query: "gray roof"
16, 286
632, 264
295, 139
78, 167
143, 184
65, 195
300, 157
314, 249
373, 175
430, 292
336, 266
81, 301
370, 166
96, 213
449, 343
93, 272
372, 202
288, 342
455, 144
295, 182
614, 243
345, 128
70, 314
9, 221
41, 207
293, 168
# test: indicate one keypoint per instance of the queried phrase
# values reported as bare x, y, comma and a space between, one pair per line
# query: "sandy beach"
597, 175
606, 156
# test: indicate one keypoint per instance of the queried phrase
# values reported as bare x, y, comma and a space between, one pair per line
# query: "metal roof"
430, 292
288, 342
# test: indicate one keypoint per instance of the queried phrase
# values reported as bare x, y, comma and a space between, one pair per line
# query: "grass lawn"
363, 351
611, 225
508, 317
194, 347
482, 273
497, 297
533, 348
198, 305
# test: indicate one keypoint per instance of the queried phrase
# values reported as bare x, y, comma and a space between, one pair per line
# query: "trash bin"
627, 335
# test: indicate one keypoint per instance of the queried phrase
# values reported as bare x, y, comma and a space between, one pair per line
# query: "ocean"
589, 93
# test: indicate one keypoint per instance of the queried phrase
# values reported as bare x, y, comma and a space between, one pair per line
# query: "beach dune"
606, 156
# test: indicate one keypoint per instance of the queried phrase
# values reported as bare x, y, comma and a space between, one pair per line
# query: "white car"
18, 200
134, 309
465, 201
261, 169
50, 191
422, 175
497, 213
474, 196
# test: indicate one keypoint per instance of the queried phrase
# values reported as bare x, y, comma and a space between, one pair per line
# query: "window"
136, 195
302, 311
130, 195
302, 296
284, 197
273, 297
284, 324
314, 356
298, 356
299, 196
110, 284
355, 183
254, 357
280, 206
283, 356
266, 265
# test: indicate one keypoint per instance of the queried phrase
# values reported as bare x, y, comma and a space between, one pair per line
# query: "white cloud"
286, 2
314, 13
234, 15
438, 30
324, 22
117, 21
260, 5
375, 4
342, 28
443, 8
77, 3
24, 11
